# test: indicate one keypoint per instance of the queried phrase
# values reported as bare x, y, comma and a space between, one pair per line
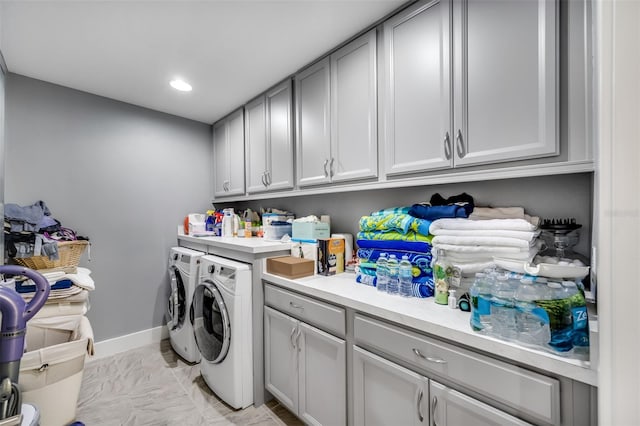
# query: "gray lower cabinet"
305, 369
228, 155
450, 407
385, 393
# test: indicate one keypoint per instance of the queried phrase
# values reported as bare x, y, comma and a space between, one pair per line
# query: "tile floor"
151, 385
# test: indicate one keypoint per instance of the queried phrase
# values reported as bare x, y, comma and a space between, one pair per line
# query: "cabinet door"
280, 357
450, 407
279, 137
322, 373
235, 147
354, 135
385, 393
220, 159
312, 125
505, 80
417, 92
255, 145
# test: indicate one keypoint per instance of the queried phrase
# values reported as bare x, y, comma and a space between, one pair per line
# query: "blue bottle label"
580, 318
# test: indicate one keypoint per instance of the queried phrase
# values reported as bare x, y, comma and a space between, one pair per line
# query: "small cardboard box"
330, 256
290, 267
310, 230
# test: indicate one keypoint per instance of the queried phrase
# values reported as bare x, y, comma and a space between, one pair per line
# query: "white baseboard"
135, 340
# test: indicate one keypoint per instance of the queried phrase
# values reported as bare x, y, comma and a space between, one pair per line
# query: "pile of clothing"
405, 231
32, 231
472, 243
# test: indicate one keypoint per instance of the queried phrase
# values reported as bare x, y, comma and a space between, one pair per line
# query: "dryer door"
211, 324
177, 306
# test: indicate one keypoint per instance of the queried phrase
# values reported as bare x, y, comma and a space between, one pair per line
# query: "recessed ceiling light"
180, 85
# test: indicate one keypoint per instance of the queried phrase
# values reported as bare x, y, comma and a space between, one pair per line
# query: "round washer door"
177, 306
211, 322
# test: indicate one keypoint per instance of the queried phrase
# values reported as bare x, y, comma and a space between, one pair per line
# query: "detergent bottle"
209, 224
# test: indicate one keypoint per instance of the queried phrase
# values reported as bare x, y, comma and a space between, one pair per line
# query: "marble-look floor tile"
152, 385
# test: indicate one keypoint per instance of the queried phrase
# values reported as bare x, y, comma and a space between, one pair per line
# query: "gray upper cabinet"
269, 140
313, 134
505, 80
354, 128
228, 155
336, 116
417, 89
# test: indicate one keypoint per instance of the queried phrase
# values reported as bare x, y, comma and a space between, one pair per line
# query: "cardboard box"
310, 230
307, 251
290, 267
330, 256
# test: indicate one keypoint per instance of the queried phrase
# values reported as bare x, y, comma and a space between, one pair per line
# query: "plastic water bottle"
559, 313
580, 320
381, 272
503, 314
392, 267
481, 303
531, 324
405, 275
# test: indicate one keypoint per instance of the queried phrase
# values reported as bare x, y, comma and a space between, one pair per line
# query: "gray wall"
561, 196
123, 175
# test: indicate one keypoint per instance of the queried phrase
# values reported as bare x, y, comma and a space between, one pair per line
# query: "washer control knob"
212, 269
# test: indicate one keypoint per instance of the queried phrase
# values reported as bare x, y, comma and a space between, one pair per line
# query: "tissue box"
290, 267
310, 230
330, 256
307, 251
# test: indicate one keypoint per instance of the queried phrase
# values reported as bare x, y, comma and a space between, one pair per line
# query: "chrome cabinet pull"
326, 173
264, 179
293, 331
298, 340
268, 177
420, 395
331, 167
447, 147
434, 403
429, 358
460, 145
295, 306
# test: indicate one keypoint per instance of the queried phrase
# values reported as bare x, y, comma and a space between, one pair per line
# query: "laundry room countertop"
431, 318
252, 245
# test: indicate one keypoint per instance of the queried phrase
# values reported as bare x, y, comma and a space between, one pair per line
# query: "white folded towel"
82, 279
466, 224
470, 254
521, 235
484, 213
481, 241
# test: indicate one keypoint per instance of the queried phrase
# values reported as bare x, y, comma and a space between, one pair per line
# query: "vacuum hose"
15, 314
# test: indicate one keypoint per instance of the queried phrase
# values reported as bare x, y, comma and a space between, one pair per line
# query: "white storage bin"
51, 375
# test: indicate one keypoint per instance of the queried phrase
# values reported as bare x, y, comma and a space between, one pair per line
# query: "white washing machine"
183, 274
222, 326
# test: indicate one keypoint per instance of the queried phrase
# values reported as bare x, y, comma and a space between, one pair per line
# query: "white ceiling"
229, 51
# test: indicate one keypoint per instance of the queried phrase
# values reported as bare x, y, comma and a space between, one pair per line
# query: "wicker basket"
69, 256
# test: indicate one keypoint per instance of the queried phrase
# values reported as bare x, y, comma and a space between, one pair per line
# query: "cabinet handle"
420, 395
434, 403
326, 173
264, 179
447, 147
295, 306
298, 340
293, 331
268, 177
331, 167
429, 358
460, 145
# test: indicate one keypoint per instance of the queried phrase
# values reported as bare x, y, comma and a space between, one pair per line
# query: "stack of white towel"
471, 244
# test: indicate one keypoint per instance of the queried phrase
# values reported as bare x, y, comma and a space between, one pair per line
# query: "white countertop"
427, 316
252, 245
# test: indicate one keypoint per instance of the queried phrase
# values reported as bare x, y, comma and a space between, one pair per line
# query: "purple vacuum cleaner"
15, 314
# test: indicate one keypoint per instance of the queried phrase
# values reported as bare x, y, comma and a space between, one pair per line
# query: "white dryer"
222, 326
183, 275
